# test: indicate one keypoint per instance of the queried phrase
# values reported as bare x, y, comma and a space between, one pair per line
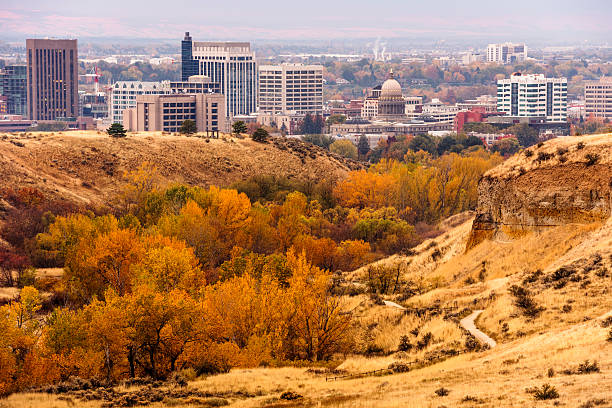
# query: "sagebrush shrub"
404, 344
545, 392
524, 301
587, 367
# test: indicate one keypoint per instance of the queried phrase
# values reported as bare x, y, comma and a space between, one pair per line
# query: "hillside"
87, 167
542, 280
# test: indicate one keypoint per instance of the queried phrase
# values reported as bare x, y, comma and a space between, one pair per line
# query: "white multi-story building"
369, 110
598, 98
230, 64
124, 93
123, 96
533, 96
506, 53
486, 102
414, 104
291, 88
438, 112
470, 57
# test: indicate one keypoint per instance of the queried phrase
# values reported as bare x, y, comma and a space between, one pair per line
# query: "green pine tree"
260, 135
116, 130
239, 127
363, 146
188, 127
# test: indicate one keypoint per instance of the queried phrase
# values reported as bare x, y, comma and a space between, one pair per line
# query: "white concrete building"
370, 108
506, 53
532, 96
123, 93
123, 96
291, 89
470, 57
439, 112
486, 102
414, 104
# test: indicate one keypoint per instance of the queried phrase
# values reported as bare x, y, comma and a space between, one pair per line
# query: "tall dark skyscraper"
230, 64
13, 84
189, 66
52, 77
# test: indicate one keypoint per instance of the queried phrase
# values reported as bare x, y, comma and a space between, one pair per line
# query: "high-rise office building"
189, 65
533, 96
506, 53
52, 78
230, 64
13, 86
598, 98
291, 88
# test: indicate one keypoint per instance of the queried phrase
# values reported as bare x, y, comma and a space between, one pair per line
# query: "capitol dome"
391, 88
391, 103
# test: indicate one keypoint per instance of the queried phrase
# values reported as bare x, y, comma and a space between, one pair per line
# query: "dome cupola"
391, 88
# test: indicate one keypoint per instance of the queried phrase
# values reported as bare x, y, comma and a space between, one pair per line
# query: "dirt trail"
468, 324
393, 304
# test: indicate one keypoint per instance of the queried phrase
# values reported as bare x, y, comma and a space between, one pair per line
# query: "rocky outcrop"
564, 181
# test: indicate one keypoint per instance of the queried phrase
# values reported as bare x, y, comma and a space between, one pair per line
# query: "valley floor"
566, 270
495, 378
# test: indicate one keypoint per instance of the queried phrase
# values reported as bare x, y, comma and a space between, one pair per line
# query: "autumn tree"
139, 183
12, 264
344, 148
318, 326
506, 147
167, 264
22, 364
364, 188
112, 259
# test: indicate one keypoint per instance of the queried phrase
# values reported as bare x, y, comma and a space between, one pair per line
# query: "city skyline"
558, 21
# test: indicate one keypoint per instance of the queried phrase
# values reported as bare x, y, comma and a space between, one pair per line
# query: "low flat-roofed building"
393, 128
14, 123
168, 112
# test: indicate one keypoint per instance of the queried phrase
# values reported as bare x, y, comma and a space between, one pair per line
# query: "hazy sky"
557, 20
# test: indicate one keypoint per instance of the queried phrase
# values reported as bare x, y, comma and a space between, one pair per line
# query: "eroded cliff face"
564, 181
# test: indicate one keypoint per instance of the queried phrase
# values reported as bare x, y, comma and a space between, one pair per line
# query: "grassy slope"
87, 167
559, 338
498, 377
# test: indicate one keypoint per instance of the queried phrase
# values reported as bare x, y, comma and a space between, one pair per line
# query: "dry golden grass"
55, 273
32, 400
535, 250
597, 144
9, 293
506, 264
419, 266
87, 166
488, 376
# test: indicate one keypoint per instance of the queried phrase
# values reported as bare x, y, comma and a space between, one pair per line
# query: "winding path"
393, 304
468, 324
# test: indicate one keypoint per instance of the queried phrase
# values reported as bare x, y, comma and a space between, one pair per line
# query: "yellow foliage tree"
317, 325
